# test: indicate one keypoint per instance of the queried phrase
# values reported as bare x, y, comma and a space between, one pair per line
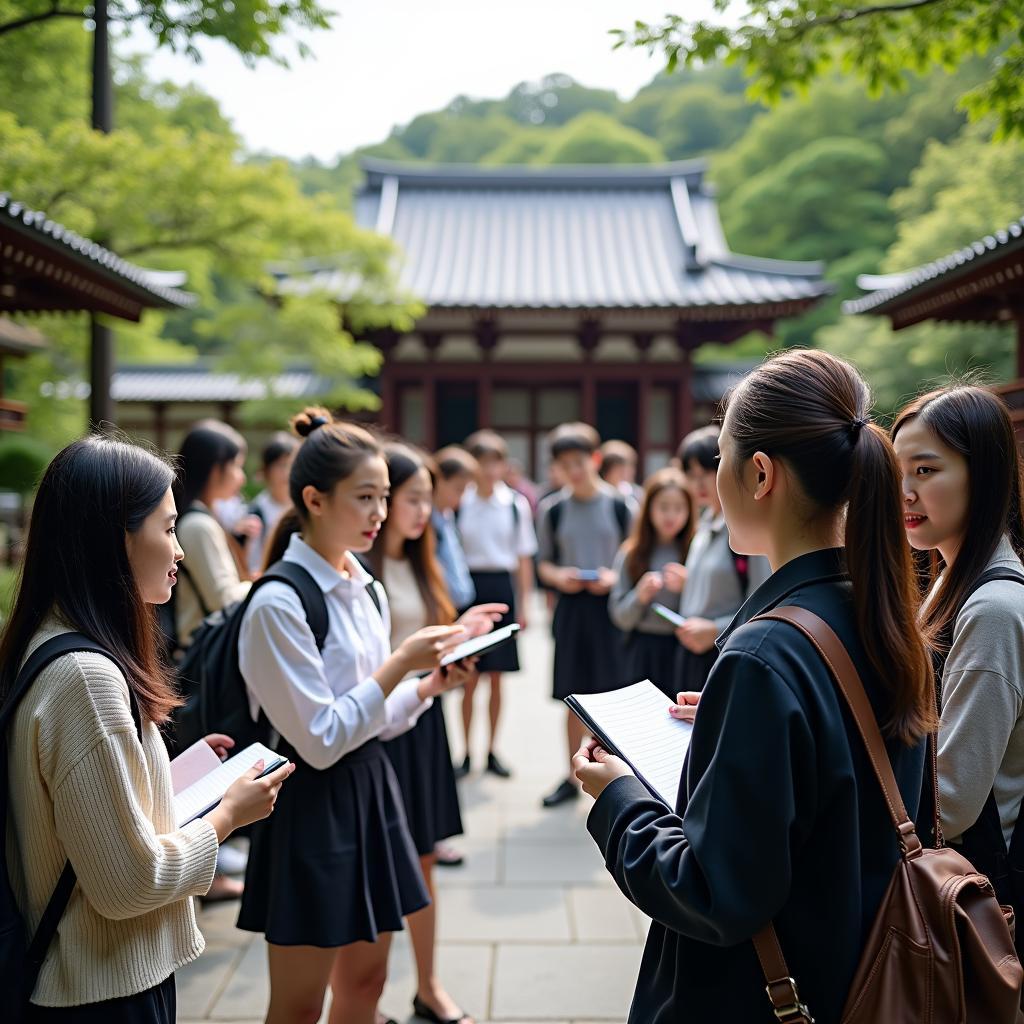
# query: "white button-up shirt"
325, 704
491, 538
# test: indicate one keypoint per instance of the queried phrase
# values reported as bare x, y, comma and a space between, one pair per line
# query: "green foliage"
251, 27
700, 119
22, 461
597, 138
792, 43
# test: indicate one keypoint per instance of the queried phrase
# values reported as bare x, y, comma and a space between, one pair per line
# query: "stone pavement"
531, 928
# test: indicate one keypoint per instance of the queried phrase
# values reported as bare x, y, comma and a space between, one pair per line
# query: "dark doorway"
457, 411
617, 411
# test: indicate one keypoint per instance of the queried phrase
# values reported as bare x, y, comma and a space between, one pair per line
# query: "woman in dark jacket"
779, 818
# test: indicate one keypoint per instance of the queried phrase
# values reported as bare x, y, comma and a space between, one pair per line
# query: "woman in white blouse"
338, 872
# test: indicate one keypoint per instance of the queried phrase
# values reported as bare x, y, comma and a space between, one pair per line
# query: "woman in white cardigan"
87, 786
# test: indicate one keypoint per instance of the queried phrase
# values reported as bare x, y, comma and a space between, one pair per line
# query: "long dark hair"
975, 423
403, 463
209, 445
811, 410
643, 538
76, 565
331, 452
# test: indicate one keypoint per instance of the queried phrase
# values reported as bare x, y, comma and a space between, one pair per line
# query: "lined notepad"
634, 723
206, 792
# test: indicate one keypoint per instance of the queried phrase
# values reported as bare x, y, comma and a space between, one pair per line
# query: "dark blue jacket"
779, 818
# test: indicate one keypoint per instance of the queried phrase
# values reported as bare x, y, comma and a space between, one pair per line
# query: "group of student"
798, 499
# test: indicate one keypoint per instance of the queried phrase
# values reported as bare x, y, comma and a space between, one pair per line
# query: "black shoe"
564, 792
424, 1012
495, 767
462, 770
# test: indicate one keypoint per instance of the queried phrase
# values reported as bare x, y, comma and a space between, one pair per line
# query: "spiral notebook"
634, 723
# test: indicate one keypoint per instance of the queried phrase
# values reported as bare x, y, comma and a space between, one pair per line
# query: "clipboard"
481, 644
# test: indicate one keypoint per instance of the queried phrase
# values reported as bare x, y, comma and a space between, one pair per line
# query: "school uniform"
269, 513
496, 532
421, 757
650, 643
779, 819
717, 583
587, 535
453, 559
335, 863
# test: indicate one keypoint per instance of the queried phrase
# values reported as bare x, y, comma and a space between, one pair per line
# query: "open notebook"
634, 723
200, 779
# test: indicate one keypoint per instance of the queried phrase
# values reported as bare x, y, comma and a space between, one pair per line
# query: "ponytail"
884, 592
288, 524
810, 410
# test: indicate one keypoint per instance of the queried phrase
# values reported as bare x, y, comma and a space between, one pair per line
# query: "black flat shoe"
564, 792
495, 767
424, 1012
462, 770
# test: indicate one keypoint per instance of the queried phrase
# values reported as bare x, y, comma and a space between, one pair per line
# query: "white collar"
326, 575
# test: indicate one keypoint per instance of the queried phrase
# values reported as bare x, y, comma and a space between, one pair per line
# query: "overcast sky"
384, 61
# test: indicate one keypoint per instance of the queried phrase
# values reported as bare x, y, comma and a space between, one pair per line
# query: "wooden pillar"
1020, 346
643, 402
589, 337
430, 408
485, 392
160, 425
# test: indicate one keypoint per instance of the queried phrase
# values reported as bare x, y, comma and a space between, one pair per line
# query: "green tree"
964, 189
252, 27
468, 140
787, 43
597, 138
700, 119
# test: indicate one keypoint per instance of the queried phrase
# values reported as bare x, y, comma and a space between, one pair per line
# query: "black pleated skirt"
692, 670
498, 587
422, 762
335, 863
653, 656
588, 647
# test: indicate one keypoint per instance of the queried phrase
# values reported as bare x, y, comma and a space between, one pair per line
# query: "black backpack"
21, 958
216, 698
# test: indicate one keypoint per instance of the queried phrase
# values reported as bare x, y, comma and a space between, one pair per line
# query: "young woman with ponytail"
963, 490
779, 817
338, 871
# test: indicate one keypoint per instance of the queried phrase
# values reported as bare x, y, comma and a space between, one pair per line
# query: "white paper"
637, 721
210, 789
192, 764
480, 644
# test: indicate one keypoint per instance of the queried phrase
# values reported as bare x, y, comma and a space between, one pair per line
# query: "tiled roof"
602, 237
885, 288
152, 287
198, 383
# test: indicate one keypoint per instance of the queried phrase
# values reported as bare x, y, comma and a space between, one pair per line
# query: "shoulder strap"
554, 518
622, 517
43, 655
312, 597
781, 987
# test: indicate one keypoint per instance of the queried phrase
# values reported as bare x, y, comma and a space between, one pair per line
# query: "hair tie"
857, 424
317, 421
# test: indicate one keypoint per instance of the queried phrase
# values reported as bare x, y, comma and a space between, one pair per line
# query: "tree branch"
852, 14
32, 19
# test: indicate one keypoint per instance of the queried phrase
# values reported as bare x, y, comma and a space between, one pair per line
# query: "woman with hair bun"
337, 872
779, 803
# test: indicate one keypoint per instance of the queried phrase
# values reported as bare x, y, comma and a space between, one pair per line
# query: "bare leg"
423, 932
575, 732
298, 983
357, 980
494, 708
468, 692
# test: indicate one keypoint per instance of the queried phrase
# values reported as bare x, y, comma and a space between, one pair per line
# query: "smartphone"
666, 613
588, 575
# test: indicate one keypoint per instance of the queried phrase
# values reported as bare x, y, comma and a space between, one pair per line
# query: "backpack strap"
41, 657
781, 987
314, 604
622, 517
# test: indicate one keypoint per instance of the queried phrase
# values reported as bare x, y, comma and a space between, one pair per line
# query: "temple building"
560, 293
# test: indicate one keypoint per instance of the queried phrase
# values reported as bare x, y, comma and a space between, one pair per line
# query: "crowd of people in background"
795, 498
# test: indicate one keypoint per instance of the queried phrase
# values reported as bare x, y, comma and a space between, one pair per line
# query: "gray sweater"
624, 606
981, 733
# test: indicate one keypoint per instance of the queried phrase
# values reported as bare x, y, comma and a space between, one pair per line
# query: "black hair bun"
309, 420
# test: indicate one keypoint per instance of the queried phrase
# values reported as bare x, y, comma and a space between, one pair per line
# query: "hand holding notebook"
634, 723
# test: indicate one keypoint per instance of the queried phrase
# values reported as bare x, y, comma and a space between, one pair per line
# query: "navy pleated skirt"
653, 656
422, 762
335, 863
588, 647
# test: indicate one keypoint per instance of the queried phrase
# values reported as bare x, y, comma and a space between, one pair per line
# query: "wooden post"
429, 408
1020, 346
160, 425
589, 337
684, 400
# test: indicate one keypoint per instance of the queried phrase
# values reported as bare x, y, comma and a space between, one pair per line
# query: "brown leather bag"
941, 948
